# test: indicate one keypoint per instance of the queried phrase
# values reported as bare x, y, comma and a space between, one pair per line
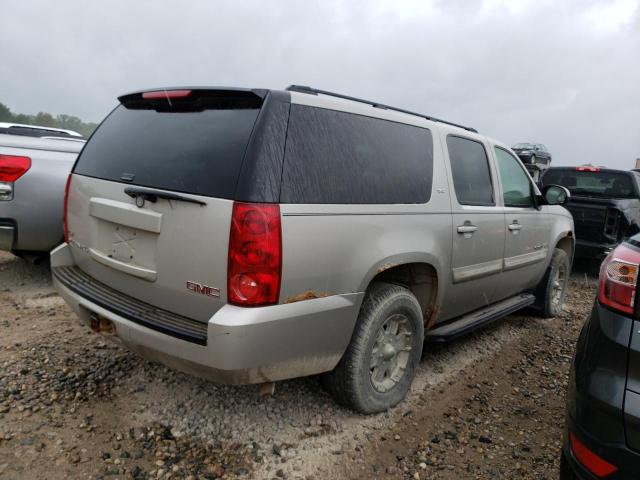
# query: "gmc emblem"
203, 289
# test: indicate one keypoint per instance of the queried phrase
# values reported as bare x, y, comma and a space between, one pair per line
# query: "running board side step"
482, 317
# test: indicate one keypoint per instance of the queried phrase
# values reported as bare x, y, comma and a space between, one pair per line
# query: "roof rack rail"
315, 91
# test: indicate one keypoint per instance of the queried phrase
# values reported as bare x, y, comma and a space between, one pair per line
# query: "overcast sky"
565, 73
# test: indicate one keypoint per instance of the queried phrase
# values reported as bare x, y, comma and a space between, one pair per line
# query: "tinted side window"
470, 168
516, 186
338, 157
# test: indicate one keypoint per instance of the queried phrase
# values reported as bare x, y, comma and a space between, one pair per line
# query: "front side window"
516, 185
470, 169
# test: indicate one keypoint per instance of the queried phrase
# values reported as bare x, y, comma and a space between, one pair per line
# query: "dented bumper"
243, 345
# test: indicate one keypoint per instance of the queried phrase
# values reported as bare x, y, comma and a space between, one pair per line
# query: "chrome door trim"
525, 259
470, 272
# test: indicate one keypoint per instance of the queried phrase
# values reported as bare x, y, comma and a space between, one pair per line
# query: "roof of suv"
376, 107
315, 91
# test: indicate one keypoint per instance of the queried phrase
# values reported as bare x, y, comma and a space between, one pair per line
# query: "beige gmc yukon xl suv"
250, 236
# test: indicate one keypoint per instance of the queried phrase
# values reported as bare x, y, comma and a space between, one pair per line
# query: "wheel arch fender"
566, 241
420, 272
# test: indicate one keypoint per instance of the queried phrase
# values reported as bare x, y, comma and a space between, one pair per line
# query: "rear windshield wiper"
152, 195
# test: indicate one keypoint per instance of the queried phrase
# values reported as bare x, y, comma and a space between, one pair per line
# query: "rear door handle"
515, 226
467, 228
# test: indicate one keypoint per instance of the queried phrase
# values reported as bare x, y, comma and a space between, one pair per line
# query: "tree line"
45, 119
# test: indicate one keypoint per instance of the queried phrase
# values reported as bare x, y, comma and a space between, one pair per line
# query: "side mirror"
555, 194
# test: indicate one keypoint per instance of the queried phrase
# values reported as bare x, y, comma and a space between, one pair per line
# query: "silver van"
250, 236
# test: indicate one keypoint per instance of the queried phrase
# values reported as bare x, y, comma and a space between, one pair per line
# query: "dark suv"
603, 412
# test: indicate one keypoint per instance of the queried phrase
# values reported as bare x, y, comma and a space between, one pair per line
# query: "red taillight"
587, 169
166, 94
592, 462
255, 255
13, 167
66, 206
618, 279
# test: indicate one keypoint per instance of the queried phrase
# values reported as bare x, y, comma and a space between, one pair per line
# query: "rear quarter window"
343, 158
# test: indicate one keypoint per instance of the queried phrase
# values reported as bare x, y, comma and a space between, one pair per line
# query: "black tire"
35, 258
553, 286
565, 469
351, 383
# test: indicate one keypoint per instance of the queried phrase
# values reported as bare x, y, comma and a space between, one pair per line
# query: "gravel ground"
73, 405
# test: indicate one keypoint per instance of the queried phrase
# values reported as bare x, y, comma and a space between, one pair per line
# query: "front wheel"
551, 290
376, 371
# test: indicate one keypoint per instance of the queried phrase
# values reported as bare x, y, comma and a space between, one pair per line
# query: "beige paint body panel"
125, 214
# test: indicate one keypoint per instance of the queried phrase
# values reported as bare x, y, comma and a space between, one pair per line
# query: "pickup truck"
33, 172
605, 204
38, 131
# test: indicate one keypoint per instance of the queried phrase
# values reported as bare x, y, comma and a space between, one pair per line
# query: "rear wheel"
551, 290
377, 369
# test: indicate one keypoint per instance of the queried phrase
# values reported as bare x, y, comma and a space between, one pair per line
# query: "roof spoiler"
193, 99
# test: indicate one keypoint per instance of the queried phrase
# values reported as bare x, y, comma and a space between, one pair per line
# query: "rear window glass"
342, 158
600, 184
191, 152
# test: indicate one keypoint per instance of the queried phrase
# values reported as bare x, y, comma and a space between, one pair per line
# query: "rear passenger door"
526, 244
478, 228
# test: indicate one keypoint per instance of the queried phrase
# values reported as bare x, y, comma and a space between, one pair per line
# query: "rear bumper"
595, 399
617, 454
244, 345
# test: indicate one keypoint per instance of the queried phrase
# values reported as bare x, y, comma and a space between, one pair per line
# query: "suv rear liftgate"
172, 189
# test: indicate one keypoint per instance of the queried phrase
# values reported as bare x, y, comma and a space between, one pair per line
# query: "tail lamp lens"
618, 279
66, 208
592, 462
13, 167
255, 255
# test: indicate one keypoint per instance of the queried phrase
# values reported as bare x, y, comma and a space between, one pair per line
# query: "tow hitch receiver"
102, 325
